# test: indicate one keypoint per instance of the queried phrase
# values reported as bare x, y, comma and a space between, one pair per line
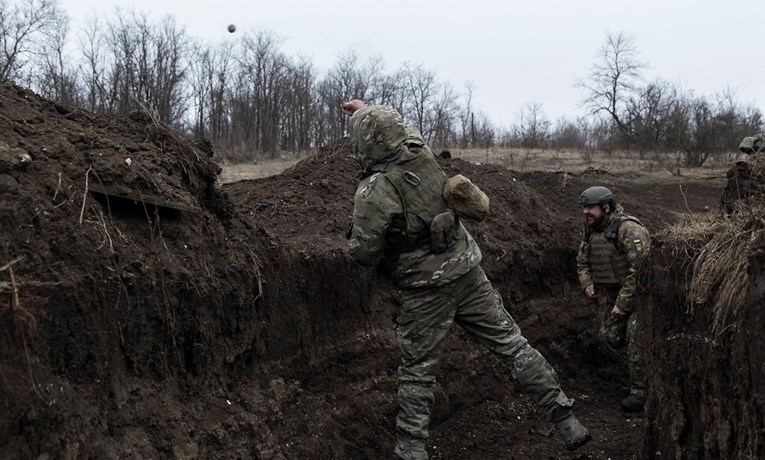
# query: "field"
655, 166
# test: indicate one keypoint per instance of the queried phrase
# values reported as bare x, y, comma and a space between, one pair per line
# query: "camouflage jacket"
379, 213
607, 255
753, 144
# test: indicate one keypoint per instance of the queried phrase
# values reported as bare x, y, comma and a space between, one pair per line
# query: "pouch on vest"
443, 231
465, 198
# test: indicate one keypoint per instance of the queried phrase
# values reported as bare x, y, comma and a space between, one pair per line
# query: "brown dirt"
162, 315
705, 291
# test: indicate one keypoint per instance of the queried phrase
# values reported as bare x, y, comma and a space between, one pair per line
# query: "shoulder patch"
638, 242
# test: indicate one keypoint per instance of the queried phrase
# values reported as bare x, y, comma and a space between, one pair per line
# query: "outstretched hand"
617, 312
352, 106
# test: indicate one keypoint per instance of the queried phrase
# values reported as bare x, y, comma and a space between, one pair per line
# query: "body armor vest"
420, 184
608, 259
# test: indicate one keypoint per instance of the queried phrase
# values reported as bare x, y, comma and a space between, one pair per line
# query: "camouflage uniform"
399, 195
606, 258
753, 144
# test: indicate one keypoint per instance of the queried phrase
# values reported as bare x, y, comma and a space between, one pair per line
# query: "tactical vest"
608, 259
420, 184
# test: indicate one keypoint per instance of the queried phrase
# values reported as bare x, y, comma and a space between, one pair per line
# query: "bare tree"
484, 133
300, 111
164, 68
651, 112
445, 115
21, 24
369, 78
98, 90
612, 79
420, 88
259, 92
467, 125
145, 68
567, 134
54, 74
533, 127
209, 79
715, 126
389, 89
347, 79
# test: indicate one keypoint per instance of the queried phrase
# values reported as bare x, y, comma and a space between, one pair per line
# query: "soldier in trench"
753, 144
400, 217
611, 241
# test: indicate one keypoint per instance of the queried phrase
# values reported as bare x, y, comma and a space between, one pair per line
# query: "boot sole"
579, 442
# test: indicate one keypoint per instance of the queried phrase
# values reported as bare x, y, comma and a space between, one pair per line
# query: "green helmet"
753, 144
376, 133
597, 195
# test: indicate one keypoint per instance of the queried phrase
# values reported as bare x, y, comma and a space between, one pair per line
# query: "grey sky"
515, 53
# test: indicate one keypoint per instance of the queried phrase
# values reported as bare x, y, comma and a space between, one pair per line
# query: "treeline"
249, 98
659, 116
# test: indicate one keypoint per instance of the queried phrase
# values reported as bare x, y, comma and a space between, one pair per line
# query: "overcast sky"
515, 53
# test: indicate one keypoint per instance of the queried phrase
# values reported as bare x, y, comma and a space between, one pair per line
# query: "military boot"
633, 403
410, 450
574, 434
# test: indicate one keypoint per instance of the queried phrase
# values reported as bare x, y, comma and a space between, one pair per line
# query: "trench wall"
705, 390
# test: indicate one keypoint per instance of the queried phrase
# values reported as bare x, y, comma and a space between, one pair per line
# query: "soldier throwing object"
400, 215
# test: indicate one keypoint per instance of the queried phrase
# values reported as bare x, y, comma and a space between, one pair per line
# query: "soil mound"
113, 239
147, 312
705, 284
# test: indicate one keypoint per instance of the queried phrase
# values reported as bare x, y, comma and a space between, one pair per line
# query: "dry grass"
651, 166
245, 171
721, 247
576, 162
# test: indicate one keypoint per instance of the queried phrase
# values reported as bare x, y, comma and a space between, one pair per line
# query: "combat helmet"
597, 195
376, 133
753, 144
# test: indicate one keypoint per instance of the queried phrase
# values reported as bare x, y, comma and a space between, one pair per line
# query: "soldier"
753, 144
610, 244
400, 216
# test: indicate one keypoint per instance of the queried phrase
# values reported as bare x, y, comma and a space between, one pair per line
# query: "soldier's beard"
592, 221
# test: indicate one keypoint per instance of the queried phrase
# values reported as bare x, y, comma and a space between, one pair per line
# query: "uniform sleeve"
370, 223
634, 239
583, 267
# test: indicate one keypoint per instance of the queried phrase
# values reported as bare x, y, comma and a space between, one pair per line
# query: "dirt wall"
156, 314
709, 402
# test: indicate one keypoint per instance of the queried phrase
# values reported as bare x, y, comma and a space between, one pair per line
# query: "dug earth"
149, 311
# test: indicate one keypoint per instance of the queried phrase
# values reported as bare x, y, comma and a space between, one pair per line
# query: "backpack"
465, 198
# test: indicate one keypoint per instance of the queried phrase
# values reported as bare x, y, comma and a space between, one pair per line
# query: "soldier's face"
592, 213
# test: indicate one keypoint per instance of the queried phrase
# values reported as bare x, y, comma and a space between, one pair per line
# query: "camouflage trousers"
618, 332
423, 326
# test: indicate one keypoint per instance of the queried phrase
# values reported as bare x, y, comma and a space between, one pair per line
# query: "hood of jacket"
377, 134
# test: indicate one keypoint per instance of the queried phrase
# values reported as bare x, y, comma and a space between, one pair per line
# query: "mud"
154, 313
